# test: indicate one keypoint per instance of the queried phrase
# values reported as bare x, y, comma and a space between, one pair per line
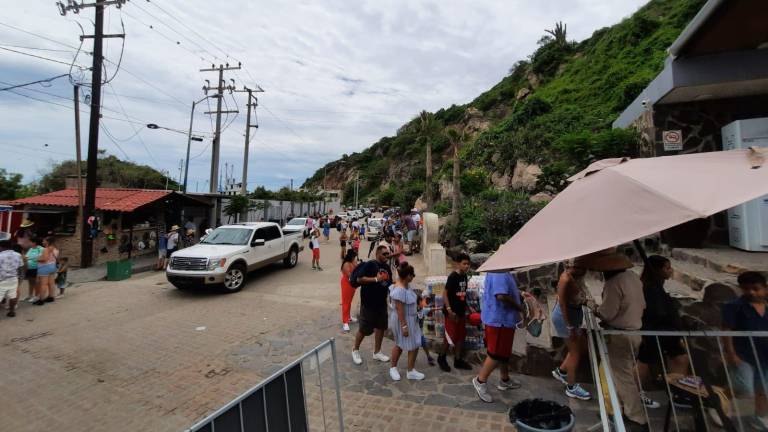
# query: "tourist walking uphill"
567, 318
748, 357
11, 265
500, 312
373, 278
661, 313
347, 290
46, 272
622, 309
404, 323
455, 312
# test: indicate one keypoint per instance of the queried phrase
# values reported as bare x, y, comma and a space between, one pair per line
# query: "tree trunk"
456, 193
428, 192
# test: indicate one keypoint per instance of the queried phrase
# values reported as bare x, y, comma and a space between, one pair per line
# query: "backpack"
357, 273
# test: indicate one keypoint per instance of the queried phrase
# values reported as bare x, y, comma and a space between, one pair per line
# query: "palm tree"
426, 127
456, 138
559, 33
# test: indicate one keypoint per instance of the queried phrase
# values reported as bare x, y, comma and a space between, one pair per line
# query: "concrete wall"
281, 210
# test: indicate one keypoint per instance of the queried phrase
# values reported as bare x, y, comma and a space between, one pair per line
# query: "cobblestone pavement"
141, 355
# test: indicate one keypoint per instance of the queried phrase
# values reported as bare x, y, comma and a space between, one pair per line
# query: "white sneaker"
352, 319
345, 327
758, 422
395, 374
556, 374
380, 357
510, 384
356, 359
482, 390
414, 375
33, 299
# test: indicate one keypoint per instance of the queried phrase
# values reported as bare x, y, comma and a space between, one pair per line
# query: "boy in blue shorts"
748, 359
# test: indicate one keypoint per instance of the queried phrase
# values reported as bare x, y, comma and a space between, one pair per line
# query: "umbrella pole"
641, 251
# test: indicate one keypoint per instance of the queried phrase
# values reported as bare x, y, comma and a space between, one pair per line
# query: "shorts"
316, 254
455, 331
411, 235
498, 342
371, 320
9, 288
575, 316
162, 253
671, 346
46, 269
343, 243
746, 379
31, 273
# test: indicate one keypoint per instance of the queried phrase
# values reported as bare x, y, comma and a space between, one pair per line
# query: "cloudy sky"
337, 75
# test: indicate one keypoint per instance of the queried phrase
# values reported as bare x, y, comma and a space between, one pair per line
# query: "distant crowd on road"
31, 257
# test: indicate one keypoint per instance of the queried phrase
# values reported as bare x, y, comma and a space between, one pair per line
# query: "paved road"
141, 355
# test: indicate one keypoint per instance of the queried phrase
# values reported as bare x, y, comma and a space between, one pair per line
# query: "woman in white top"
46, 272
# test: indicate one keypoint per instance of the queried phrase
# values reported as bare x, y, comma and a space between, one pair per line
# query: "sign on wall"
673, 140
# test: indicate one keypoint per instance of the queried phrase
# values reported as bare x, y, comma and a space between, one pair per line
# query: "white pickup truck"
228, 253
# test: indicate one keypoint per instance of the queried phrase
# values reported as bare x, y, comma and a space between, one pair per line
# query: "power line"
47, 80
137, 135
114, 140
43, 58
36, 48
38, 35
192, 30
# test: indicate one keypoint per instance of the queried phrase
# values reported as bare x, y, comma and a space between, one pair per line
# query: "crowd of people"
629, 302
32, 260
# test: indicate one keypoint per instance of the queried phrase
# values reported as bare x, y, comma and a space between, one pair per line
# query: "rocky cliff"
548, 117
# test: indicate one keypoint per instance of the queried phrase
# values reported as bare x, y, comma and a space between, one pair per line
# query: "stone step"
724, 260
696, 276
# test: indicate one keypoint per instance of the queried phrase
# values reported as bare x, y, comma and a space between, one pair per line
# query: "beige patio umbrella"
615, 201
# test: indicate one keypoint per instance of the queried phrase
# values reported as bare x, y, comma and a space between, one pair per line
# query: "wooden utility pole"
89, 205
78, 155
93, 137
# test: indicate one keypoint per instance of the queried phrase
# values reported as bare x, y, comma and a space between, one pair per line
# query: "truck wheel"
292, 259
235, 278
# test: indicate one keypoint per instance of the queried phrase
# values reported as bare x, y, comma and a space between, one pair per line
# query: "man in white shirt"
10, 263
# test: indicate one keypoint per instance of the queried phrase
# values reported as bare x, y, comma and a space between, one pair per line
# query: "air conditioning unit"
748, 222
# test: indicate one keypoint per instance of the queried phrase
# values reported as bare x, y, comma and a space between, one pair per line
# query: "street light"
190, 138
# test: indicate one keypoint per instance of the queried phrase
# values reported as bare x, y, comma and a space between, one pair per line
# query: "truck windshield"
375, 223
297, 221
228, 236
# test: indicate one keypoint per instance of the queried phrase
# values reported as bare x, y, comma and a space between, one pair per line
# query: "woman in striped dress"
404, 323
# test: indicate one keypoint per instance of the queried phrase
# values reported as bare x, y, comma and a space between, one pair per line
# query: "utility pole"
181, 170
253, 102
89, 205
220, 87
78, 154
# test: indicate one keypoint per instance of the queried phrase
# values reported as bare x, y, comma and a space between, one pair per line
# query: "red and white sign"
673, 140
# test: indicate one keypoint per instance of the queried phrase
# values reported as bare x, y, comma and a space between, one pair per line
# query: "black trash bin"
538, 415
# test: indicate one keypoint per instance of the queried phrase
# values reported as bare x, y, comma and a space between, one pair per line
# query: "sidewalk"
99, 272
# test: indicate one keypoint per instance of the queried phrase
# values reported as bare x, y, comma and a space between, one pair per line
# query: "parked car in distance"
297, 225
343, 216
374, 228
227, 254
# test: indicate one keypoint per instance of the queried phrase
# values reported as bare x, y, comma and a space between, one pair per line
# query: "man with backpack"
373, 278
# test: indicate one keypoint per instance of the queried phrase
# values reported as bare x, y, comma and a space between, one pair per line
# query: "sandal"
431, 361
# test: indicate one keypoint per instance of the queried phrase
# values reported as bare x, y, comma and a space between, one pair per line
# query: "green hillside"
553, 110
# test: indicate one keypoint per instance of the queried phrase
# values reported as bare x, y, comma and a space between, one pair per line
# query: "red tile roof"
121, 200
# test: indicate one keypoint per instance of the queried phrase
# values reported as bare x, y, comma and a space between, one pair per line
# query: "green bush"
492, 217
473, 181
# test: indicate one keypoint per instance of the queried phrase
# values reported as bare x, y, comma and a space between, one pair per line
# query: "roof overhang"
722, 53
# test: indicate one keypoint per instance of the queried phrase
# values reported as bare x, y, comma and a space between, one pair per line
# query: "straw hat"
604, 260
26, 223
174, 228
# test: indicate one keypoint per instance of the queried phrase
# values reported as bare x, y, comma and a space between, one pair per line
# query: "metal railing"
285, 401
706, 395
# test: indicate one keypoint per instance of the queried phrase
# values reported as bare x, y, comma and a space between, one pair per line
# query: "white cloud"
338, 75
